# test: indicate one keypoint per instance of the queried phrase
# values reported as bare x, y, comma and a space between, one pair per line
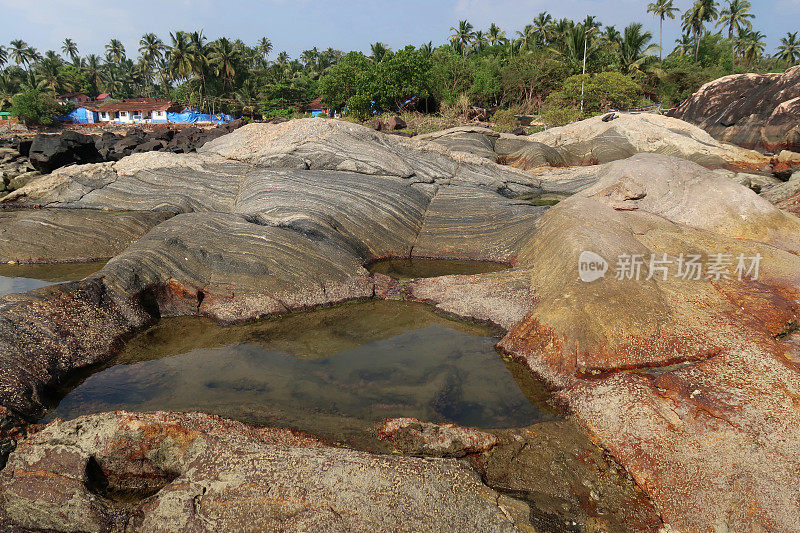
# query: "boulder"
751, 110
395, 123
49, 152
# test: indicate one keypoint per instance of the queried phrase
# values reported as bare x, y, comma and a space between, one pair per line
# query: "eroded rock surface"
687, 383
193, 472
751, 110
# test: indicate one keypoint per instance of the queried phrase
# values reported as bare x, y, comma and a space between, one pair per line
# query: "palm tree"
70, 48
685, 44
542, 24
3, 55
481, 41
752, 43
223, 57
695, 18
526, 37
180, 55
19, 52
151, 48
735, 16
463, 35
496, 35
789, 50
264, 48
662, 9
379, 51
427, 49
635, 48
92, 71
115, 51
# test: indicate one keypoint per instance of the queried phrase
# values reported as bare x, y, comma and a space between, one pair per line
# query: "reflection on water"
332, 372
20, 278
410, 268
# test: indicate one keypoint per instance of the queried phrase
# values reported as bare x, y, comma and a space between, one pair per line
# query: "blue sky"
295, 25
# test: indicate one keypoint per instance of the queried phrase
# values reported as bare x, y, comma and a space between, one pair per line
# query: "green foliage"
527, 80
602, 92
34, 107
559, 116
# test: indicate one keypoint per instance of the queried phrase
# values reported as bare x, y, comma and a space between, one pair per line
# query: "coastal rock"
415, 437
690, 384
50, 235
181, 472
758, 111
593, 141
48, 152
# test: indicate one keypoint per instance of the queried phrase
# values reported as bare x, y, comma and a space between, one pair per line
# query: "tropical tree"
115, 51
3, 55
695, 18
223, 57
71, 49
635, 48
20, 52
495, 35
264, 48
789, 49
151, 48
752, 44
542, 24
462, 35
735, 16
662, 9
379, 51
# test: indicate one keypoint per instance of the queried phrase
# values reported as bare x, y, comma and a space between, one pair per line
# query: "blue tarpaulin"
80, 115
194, 116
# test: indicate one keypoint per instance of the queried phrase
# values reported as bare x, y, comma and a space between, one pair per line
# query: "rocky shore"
678, 394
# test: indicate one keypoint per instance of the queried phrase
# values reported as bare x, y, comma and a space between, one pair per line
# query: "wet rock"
179, 472
415, 437
751, 110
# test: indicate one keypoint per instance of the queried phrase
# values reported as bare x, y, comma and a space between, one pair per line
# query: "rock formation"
689, 384
758, 111
595, 140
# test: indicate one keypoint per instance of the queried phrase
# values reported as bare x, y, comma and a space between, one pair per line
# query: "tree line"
535, 70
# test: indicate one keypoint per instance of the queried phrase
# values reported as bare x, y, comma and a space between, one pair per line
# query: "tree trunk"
697, 46
733, 48
661, 41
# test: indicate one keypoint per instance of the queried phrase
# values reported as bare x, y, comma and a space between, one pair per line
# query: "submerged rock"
758, 111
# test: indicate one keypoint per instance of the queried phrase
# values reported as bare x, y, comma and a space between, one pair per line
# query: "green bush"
34, 107
559, 116
506, 117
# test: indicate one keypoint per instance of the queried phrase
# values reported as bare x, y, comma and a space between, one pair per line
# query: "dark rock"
519, 131
609, 117
49, 152
150, 146
395, 123
24, 147
376, 124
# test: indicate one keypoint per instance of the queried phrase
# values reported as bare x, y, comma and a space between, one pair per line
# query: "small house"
134, 110
74, 98
102, 97
316, 108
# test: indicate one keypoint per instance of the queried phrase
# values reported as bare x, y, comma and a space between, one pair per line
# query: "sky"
296, 25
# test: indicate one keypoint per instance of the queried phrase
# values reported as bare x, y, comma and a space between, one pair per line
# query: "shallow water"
20, 278
333, 372
408, 268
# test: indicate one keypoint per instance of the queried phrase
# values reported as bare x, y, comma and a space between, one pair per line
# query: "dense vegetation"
536, 70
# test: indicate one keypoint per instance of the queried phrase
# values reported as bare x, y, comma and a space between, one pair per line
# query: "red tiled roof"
314, 105
103, 96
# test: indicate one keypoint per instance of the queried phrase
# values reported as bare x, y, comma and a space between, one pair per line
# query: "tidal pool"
25, 277
409, 268
333, 372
